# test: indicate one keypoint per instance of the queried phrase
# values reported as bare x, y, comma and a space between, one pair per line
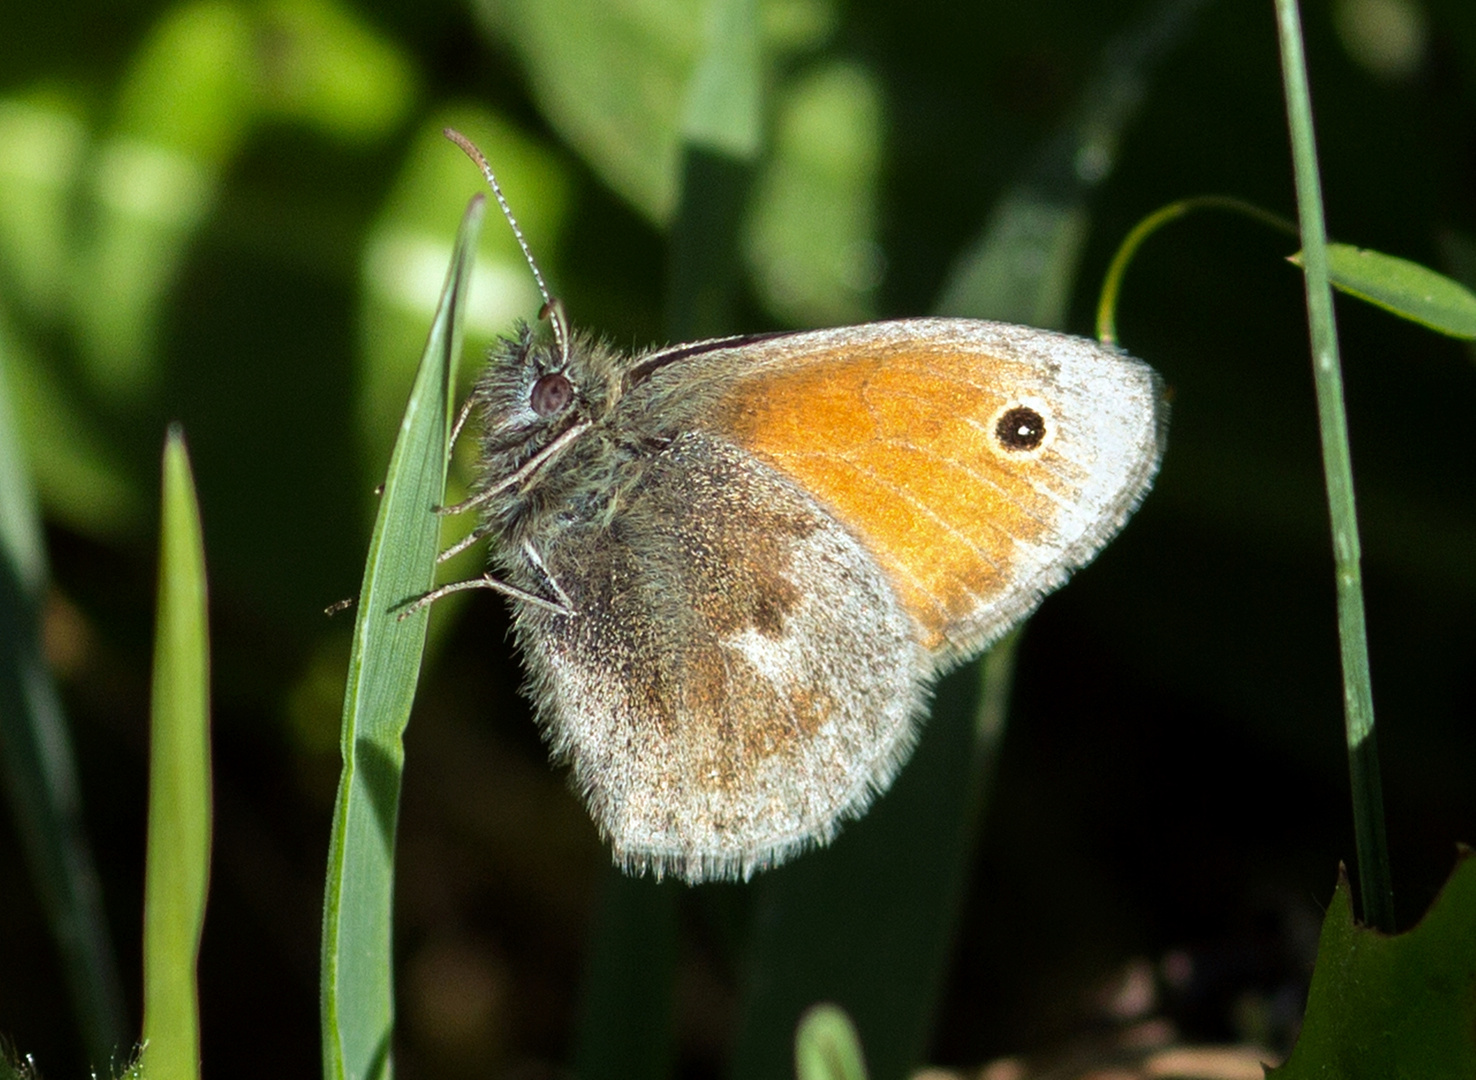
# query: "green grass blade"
826, 1046
1407, 289
868, 921
179, 785
1375, 887
357, 968
40, 773
627, 1018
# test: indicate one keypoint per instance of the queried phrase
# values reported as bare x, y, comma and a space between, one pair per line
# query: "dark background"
1173, 778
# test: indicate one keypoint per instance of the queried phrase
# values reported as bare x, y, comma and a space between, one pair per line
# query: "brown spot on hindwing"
739, 676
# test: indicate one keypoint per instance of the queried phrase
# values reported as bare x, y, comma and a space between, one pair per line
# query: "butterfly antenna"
552, 309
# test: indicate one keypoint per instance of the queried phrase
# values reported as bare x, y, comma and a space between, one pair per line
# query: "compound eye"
551, 393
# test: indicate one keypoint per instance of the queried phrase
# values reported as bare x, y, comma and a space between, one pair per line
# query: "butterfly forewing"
897, 430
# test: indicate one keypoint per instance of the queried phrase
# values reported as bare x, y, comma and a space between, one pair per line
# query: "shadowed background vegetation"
237, 215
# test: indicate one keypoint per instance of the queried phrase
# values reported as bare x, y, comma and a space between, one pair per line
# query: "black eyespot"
551, 393
1020, 428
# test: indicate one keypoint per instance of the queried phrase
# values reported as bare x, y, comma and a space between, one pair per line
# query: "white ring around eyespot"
1035, 404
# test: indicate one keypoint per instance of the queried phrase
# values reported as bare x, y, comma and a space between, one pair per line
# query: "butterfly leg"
461, 418
461, 545
486, 581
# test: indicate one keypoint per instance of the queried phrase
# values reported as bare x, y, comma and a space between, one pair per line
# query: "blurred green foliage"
238, 215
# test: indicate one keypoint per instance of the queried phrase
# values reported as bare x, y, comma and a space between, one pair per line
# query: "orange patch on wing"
896, 443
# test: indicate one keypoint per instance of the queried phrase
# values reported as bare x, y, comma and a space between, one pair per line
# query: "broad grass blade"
384, 667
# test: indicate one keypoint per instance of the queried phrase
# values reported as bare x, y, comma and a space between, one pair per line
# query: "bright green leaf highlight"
1409, 290
333, 70
614, 77
179, 785
811, 238
1385, 1006
826, 1046
357, 973
724, 104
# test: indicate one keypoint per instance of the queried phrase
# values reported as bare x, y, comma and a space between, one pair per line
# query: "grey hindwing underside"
737, 674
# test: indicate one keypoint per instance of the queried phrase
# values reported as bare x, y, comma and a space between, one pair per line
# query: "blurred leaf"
826, 1046
40, 773
1460, 251
1393, 1006
811, 240
1407, 289
183, 111
627, 1026
42, 144
357, 959
78, 473
612, 77
1023, 267
724, 110
720, 147
867, 922
615, 76
207, 74
179, 785
321, 64
1389, 38
12, 1068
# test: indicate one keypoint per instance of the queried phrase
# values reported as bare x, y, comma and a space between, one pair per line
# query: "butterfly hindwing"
737, 674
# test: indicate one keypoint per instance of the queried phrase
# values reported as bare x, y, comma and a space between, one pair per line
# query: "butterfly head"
536, 399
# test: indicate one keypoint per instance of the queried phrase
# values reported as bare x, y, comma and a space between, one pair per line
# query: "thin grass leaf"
1375, 887
384, 667
1117, 269
178, 870
1405, 288
826, 1046
40, 773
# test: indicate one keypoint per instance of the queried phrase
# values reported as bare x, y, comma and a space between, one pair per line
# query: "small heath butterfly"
737, 566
